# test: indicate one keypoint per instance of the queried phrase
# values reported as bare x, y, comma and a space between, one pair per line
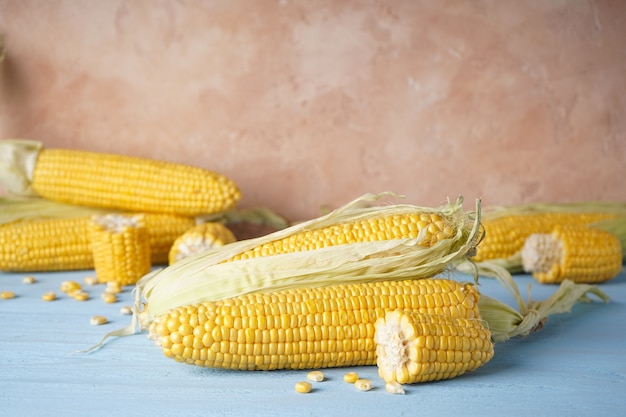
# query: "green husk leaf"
505, 322
203, 277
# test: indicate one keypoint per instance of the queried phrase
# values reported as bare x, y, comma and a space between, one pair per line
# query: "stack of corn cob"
358, 286
581, 242
74, 192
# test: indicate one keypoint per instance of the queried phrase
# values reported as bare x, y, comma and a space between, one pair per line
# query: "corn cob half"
301, 328
577, 253
114, 181
200, 238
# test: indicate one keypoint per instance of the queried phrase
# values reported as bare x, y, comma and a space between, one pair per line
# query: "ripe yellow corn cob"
120, 247
62, 244
573, 252
351, 244
505, 236
199, 239
116, 181
415, 347
303, 328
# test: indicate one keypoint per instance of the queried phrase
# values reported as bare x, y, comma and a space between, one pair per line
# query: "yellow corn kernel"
98, 320
63, 244
200, 238
49, 296
109, 297
363, 384
316, 376
80, 295
90, 280
69, 287
121, 249
350, 377
126, 310
394, 387
505, 236
306, 328
128, 183
29, 280
577, 253
414, 347
6, 295
303, 387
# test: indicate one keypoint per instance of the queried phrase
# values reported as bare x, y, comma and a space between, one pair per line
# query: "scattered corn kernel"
350, 377
363, 384
114, 287
80, 295
5, 295
90, 280
303, 387
70, 286
316, 376
98, 320
49, 296
109, 297
394, 387
126, 310
29, 279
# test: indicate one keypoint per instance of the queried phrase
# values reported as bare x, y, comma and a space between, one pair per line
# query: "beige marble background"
312, 103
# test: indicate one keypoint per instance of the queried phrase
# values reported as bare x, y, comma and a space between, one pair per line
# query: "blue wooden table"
574, 366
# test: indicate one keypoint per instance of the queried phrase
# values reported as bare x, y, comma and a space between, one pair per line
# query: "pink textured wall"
312, 103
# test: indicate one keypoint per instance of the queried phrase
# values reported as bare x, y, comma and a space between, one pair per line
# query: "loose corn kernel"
80, 295
6, 295
363, 384
49, 296
114, 287
109, 297
90, 280
394, 387
126, 310
316, 376
69, 286
303, 387
98, 320
29, 279
350, 377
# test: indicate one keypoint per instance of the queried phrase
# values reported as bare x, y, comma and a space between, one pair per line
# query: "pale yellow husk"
203, 277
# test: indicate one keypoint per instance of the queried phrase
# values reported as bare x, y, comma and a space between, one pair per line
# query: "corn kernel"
29, 279
126, 310
90, 280
303, 387
114, 287
49, 296
363, 384
316, 376
69, 286
98, 320
350, 377
394, 387
80, 295
109, 297
5, 295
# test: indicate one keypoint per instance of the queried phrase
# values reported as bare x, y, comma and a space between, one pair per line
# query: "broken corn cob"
121, 249
301, 328
351, 244
62, 243
116, 181
415, 347
573, 252
199, 239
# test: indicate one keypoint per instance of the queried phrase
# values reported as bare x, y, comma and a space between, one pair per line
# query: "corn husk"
203, 277
506, 322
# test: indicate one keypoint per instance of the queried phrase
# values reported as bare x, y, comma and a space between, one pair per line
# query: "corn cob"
199, 239
116, 181
121, 248
302, 328
351, 244
62, 244
574, 252
416, 347
505, 236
